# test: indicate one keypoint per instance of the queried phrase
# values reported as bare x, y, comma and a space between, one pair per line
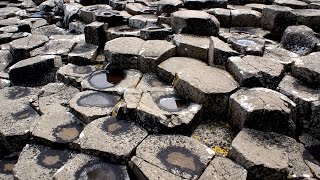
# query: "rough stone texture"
245, 18
168, 6
307, 69
142, 21
145, 170
303, 96
315, 119
7, 165
223, 15
83, 54
180, 155
122, 31
83, 166
165, 112
154, 52
223, 168
248, 46
5, 59
39, 162
95, 33
299, 39
72, 75
54, 47
253, 71
90, 105
128, 105
87, 13
8, 12
151, 82
308, 17
48, 30
277, 18
252, 149
58, 127
34, 71
204, 4
195, 22
168, 69
262, 109
210, 86
123, 52
192, 46
282, 55
121, 136
160, 32
291, 3
112, 81
21, 48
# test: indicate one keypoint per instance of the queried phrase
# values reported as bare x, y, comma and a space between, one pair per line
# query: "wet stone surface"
6, 166
121, 136
90, 105
151, 82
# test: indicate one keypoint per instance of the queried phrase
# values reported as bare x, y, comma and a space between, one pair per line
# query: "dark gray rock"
262, 109
7, 164
223, 15
34, 71
299, 39
121, 136
151, 82
87, 13
204, 4
54, 47
122, 31
143, 20
245, 18
111, 17
7, 12
95, 33
48, 30
248, 46
294, 4
160, 32
70, 12
83, 54
195, 22
168, 6
183, 156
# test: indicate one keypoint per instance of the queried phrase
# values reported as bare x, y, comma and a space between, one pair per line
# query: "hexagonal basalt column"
83, 166
87, 13
58, 127
40, 162
262, 109
121, 136
123, 52
195, 22
248, 46
168, 69
208, 86
180, 155
253, 71
122, 31
112, 81
71, 74
90, 105
83, 54
166, 112
143, 20
151, 82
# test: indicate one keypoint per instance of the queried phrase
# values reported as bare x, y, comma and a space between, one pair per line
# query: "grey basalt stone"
6, 166
95, 33
83, 166
83, 54
40, 162
245, 18
210, 87
143, 20
70, 11
294, 4
223, 168
48, 30
167, 112
58, 127
180, 155
54, 47
195, 22
123, 52
151, 82
7, 12
72, 75
252, 149
122, 31
299, 39
308, 17
253, 71
90, 105
282, 55
222, 14
156, 32
168, 69
192, 46
121, 136
112, 81
315, 119
87, 13
154, 52
168, 6
248, 46
127, 107
262, 109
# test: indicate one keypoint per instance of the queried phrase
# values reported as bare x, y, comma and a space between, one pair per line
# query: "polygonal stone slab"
126, 108
90, 105
123, 52
180, 155
303, 96
307, 69
220, 168
168, 69
166, 112
21, 48
112, 81
153, 52
121, 136
217, 135
144, 169
24, 73
8, 12
48, 30
54, 47
248, 46
160, 32
195, 22
53, 94
95, 33
308, 17
262, 109
122, 31
6, 166
208, 86
253, 71
284, 56
252, 149
23, 94
245, 18
40, 162
83, 166
143, 20
294, 4
58, 127
151, 82
71, 74
192, 46
83, 54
